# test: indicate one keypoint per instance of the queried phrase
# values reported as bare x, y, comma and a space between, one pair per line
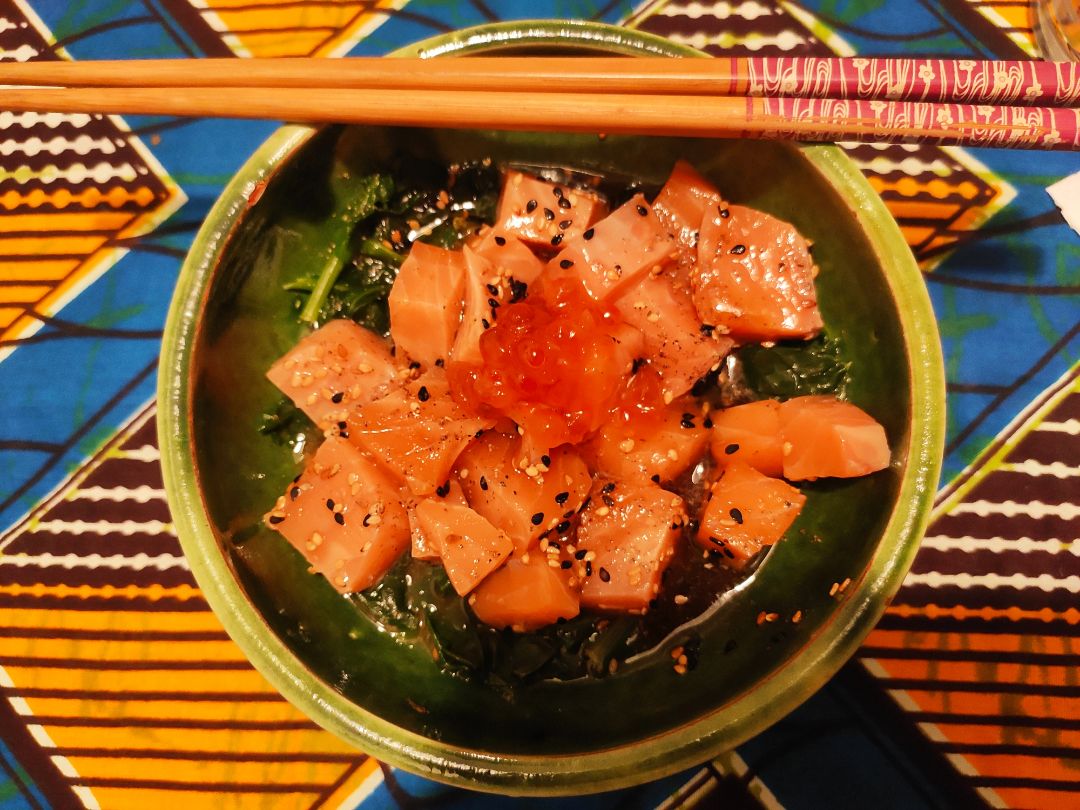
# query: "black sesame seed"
294, 493
493, 303
609, 502
343, 434
566, 223
566, 263
336, 398
580, 554
564, 202
588, 568
707, 424
440, 362
274, 520
330, 504
731, 448
562, 498
585, 504
724, 213
530, 206
491, 288
563, 527
339, 519
556, 239
656, 478
538, 518
549, 214
423, 394
483, 483
736, 515
716, 540
728, 553
500, 240
444, 490
687, 423
641, 209
738, 250
366, 521
414, 365
692, 526
588, 234
555, 545
707, 329
342, 425
604, 575
557, 192
486, 323
568, 514
545, 460
637, 364
518, 289
608, 487
565, 564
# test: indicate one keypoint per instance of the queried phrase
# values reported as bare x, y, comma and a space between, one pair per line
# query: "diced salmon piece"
614, 253
676, 345
660, 446
334, 369
345, 515
479, 314
469, 546
417, 431
422, 547
543, 214
749, 434
525, 594
631, 527
426, 301
826, 438
746, 511
511, 258
754, 278
682, 204
523, 499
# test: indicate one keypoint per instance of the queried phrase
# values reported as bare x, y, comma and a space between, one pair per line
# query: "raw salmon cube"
543, 214
631, 527
334, 369
826, 438
417, 432
425, 303
749, 434
525, 594
746, 511
345, 515
509, 256
469, 546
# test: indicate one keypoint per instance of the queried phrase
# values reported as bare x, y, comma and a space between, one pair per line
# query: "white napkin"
1066, 195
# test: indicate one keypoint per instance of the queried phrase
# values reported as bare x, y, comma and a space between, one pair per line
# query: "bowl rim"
618, 766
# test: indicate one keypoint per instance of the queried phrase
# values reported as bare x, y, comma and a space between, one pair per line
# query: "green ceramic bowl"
229, 321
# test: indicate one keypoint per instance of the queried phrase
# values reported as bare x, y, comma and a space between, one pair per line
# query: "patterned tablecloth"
119, 688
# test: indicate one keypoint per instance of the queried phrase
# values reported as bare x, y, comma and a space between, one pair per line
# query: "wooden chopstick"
1033, 83
698, 116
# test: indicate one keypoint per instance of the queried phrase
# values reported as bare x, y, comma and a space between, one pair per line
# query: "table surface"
118, 687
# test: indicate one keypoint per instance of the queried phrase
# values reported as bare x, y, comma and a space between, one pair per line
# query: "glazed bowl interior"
232, 317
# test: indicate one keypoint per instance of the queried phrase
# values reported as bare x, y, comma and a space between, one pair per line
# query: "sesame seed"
835, 587
562, 498
294, 493
588, 568
530, 206
642, 210
603, 511
486, 323
274, 520
553, 563
566, 223
668, 397
558, 192
680, 599
608, 487
673, 454
626, 445
731, 448
588, 234
566, 565
549, 215
464, 472
580, 555
604, 575
532, 471
557, 239
483, 483
500, 240
564, 202
736, 515
655, 478
443, 491
339, 518
796, 617
724, 212
563, 527
738, 250
538, 518
566, 264
423, 394
491, 288
364, 368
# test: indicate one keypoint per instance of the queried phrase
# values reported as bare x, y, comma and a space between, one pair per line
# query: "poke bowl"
402, 659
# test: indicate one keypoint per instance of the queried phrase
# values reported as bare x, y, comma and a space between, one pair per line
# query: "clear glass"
1057, 28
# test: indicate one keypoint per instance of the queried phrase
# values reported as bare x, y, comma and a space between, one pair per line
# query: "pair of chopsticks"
967, 102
